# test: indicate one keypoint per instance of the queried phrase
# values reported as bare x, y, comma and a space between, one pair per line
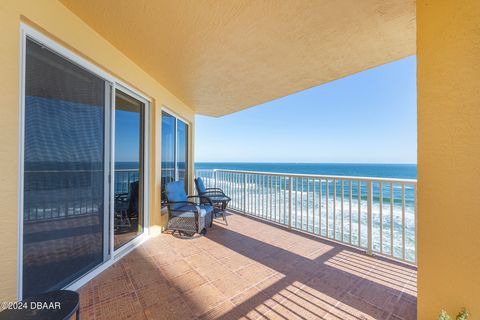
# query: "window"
174, 151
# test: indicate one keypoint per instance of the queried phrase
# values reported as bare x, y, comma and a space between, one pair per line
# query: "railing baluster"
369, 217
266, 196
308, 185
327, 226
415, 217
334, 209
290, 202
269, 199
313, 206
320, 200
381, 216
391, 221
236, 191
277, 200
248, 195
359, 198
263, 196
274, 198
350, 211
257, 195
301, 203
244, 192
295, 181
285, 210
252, 194
341, 209
403, 221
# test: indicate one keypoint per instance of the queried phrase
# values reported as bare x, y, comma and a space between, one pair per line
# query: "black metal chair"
184, 215
126, 208
216, 196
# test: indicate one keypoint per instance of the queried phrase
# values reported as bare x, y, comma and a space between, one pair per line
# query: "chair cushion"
200, 186
175, 192
188, 211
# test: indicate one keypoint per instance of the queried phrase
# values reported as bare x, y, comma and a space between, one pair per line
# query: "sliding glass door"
129, 168
81, 200
65, 216
174, 151
168, 149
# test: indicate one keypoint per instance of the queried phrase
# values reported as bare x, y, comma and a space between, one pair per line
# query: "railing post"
290, 186
244, 193
416, 219
215, 177
369, 217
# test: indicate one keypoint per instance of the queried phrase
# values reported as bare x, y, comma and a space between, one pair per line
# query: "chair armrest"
181, 202
201, 197
121, 196
210, 193
214, 189
214, 195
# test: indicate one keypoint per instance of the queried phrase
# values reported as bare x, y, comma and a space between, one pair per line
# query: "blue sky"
368, 117
127, 137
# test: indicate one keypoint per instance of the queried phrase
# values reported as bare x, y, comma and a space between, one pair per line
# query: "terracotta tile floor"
250, 270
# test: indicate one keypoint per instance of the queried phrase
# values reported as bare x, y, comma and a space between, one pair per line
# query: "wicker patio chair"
186, 216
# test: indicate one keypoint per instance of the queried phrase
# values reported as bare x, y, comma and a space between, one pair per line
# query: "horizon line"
394, 163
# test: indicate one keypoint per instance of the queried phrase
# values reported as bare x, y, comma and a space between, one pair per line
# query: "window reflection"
64, 170
174, 151
128, 179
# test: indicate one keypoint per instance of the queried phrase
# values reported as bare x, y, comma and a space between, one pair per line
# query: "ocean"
400, 171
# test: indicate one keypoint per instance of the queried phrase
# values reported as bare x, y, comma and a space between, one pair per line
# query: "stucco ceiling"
223, 56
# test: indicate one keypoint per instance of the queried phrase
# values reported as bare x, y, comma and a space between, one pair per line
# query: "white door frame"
146, 171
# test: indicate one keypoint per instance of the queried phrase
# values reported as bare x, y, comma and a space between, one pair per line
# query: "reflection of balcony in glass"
63, 216
128, 183
174, 150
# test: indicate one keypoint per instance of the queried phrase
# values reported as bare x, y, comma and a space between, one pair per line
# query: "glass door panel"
168, 151
64, 217
129, 168
174, 151
182, 152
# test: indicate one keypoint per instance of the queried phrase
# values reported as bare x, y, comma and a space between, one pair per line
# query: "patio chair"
185, 216
126, 208
216, 196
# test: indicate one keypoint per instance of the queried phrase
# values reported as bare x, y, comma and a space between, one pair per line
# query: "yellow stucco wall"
55, 21
448, 58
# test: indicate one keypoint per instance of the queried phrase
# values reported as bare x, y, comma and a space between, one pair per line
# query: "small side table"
220, 203
53, 305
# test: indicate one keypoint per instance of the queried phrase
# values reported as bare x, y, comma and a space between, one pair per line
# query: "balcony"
295, 248
250, 270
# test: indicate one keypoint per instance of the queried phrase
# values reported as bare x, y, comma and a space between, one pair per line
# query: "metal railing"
375, 214
123, 178
53, 195
60, 194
